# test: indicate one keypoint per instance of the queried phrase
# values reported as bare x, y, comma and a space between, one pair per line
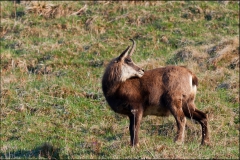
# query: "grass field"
53, 55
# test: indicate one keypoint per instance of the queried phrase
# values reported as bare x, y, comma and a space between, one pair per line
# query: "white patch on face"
128, 72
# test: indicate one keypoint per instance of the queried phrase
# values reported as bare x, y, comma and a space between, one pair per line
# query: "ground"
53, 55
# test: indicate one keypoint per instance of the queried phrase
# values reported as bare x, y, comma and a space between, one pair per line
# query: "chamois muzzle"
140, 72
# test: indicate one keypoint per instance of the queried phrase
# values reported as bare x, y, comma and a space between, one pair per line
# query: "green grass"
52, 104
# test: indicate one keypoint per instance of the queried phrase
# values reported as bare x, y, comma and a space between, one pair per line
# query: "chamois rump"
162, 91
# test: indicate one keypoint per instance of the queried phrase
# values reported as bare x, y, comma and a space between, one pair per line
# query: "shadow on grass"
94, 148
45, 151
166, 129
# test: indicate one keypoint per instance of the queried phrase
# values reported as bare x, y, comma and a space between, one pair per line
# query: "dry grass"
48, 10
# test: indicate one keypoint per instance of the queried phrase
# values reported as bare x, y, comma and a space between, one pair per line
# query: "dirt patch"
8, 79
49, 10
62, 91
40, 69
188, 54
34, 65
224, 54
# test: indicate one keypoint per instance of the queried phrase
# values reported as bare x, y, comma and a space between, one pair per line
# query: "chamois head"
128, 68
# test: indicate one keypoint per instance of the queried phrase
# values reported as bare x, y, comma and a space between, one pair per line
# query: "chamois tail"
194, 80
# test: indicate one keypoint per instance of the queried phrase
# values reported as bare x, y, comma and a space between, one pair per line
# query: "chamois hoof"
178, 142
206, 143
135, 145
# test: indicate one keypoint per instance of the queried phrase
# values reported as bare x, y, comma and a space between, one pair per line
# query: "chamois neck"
112, 78
110, 85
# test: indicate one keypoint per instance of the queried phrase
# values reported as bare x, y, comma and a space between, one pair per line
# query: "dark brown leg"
135, 120
192, 112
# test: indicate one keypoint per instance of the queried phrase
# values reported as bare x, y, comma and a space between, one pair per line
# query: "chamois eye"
128, 60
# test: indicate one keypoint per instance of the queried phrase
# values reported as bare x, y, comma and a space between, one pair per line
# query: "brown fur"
159, 92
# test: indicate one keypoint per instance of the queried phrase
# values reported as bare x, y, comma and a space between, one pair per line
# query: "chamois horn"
133, 47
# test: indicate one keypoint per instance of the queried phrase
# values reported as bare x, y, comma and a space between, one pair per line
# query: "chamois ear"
133, 47
124, 54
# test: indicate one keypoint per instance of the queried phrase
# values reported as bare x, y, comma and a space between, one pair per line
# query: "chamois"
162, 91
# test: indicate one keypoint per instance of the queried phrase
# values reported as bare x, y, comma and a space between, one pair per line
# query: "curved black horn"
133, 47
124, 53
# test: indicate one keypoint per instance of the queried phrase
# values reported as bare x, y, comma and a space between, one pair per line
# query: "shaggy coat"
161, 92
